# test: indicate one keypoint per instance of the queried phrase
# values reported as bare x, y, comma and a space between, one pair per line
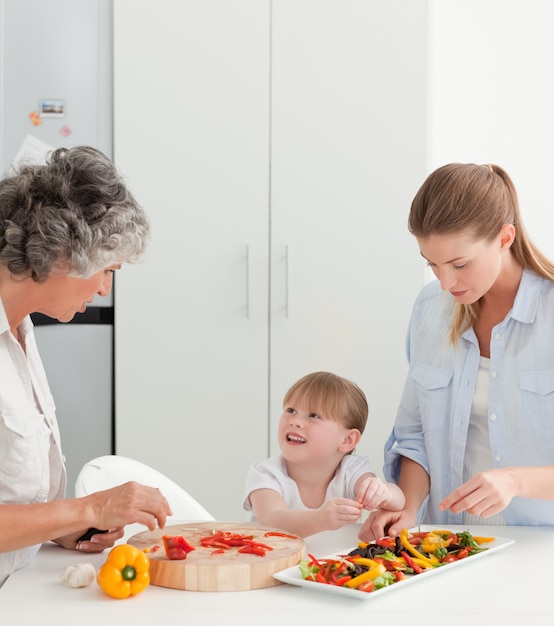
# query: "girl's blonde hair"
331, 396
479, 199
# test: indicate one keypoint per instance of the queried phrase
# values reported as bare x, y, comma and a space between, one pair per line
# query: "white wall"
491, 96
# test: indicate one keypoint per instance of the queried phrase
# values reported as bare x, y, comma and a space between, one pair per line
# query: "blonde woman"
473, 440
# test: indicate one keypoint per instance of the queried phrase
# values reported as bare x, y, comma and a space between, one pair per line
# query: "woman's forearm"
414, 482
23, 525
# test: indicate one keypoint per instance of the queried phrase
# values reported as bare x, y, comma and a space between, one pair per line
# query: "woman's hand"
385, 523
125, 504
98, 542
486, 494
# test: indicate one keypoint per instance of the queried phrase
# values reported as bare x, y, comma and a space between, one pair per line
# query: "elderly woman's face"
64, 296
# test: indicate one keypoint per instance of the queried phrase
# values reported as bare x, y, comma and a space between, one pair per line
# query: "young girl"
473, 440
316, 483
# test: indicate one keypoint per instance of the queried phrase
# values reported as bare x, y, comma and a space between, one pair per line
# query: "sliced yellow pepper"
404, 541
371, 574
484, 539
364, 561
125, 573
422, 563
432, 542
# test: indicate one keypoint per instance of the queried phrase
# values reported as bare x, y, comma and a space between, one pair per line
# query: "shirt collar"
527, 297
4, 326
24, 328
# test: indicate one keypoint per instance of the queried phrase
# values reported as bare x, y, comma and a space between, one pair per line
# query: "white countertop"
511, 586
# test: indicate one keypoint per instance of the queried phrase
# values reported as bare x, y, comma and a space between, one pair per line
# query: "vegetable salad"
389, 560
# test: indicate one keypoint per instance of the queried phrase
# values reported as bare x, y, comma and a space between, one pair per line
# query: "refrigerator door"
78, 363
56, 87
57, 52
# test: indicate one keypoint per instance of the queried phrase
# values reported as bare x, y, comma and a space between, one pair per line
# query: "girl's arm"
373, 493
414, 482
271, 510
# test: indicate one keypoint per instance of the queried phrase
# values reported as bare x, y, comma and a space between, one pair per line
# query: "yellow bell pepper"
125, 573
371, 574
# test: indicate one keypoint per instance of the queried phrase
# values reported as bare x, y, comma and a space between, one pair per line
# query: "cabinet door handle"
288, 284
248, 310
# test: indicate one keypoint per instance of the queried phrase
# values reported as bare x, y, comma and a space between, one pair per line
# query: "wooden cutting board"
231, 571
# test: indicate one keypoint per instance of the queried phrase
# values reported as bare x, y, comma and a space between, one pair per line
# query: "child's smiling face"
306, 435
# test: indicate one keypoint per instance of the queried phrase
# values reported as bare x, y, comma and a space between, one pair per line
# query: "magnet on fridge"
65, 131
35, 118
52, 108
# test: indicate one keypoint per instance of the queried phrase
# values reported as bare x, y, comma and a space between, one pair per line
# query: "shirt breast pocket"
24, 447
537, 401
433, 389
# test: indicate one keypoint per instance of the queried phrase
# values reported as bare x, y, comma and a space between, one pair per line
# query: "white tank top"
478, 456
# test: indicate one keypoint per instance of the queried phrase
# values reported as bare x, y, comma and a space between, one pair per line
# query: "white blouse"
31, 463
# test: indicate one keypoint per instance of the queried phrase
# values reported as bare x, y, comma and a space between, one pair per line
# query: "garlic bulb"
79, 575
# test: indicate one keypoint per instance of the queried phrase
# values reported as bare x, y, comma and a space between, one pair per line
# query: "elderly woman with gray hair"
65, 227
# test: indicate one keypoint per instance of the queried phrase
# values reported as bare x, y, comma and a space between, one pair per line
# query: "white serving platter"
292, 575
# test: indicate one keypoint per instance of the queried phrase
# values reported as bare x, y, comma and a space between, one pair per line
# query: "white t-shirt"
272, 474
31, 463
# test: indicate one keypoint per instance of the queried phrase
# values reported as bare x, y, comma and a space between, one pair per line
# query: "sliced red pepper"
339, 582
220, 551
176, 547
411, 563
256, 544
368, 586
319, 578
385, 542
276, 534
391, 566
252, 550
327, 571
214, 544
335, 568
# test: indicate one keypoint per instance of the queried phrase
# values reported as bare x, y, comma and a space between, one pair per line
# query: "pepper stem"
128, 573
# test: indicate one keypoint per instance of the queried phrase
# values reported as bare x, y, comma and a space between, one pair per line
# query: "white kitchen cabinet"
348, 154
191, 137
276, 146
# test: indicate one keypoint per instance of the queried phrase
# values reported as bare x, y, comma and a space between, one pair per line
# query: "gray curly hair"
72, 214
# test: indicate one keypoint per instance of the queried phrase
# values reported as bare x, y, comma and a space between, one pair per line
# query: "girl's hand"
385, 523
486, 494
372, 493
341, 511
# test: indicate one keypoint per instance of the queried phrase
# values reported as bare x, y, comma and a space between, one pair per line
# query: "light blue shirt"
433, 416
